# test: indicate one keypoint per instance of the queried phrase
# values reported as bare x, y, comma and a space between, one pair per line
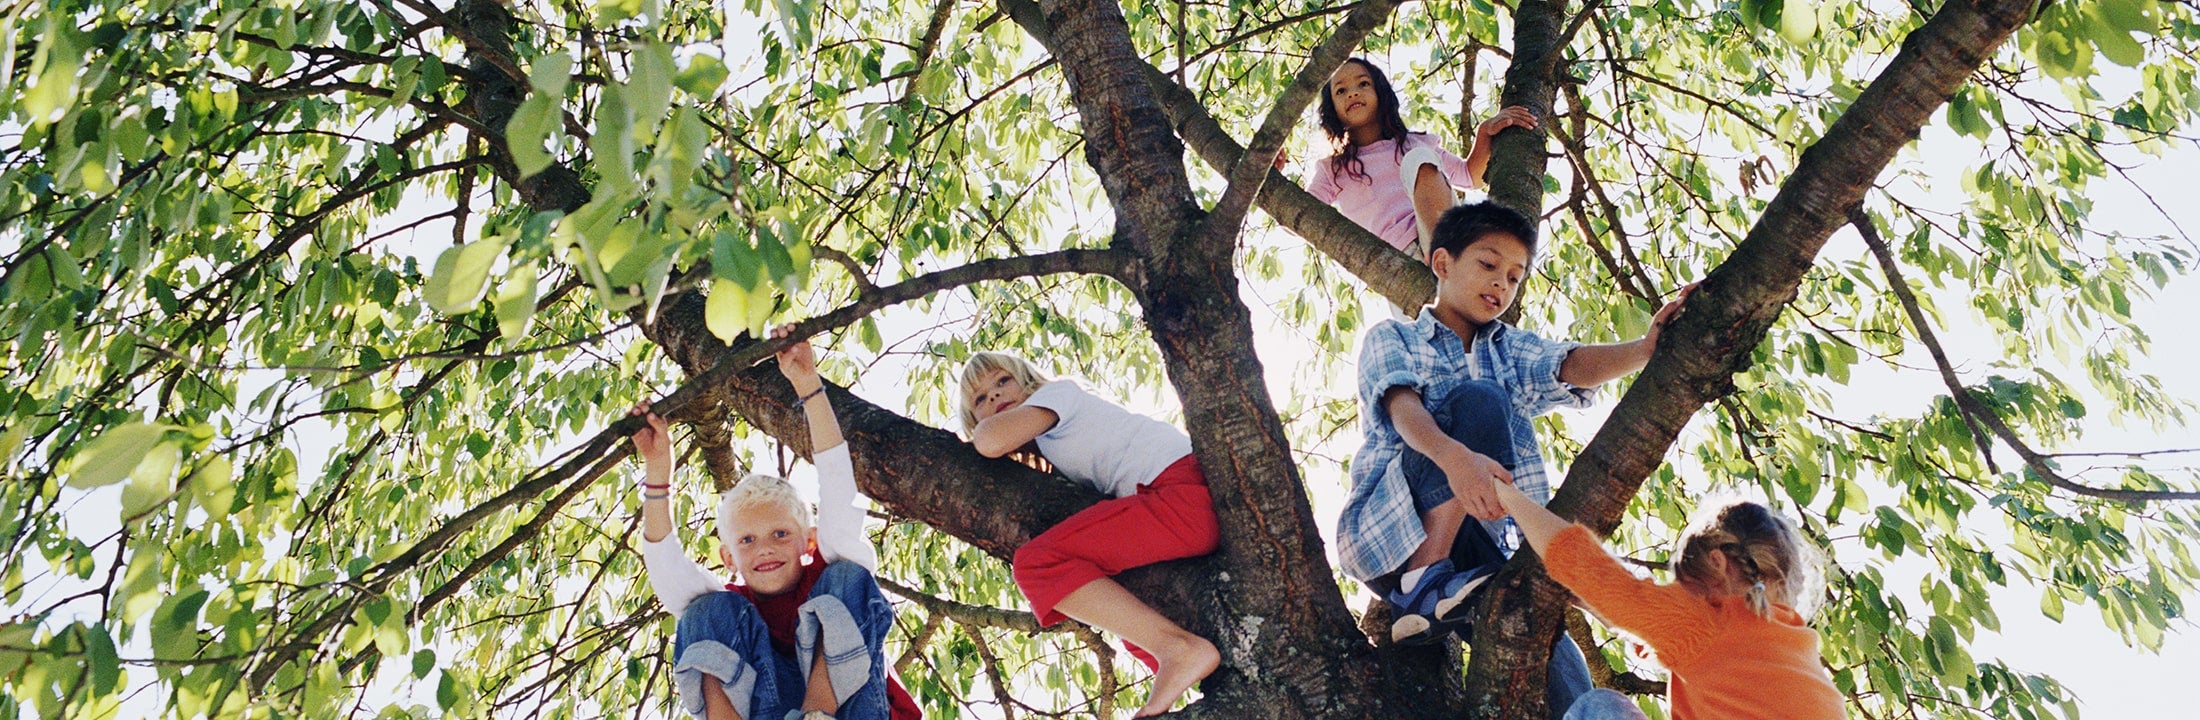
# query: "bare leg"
715, 704
819, 694
1441, 523
1185, 658
1431, 197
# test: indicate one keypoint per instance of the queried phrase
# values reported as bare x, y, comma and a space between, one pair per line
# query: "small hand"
1665, 314
653, 441
1283, 157
798, 361
1512, 116
1472, 479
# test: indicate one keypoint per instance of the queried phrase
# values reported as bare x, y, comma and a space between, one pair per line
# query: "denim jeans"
722, 637
1479, 415
1605, 704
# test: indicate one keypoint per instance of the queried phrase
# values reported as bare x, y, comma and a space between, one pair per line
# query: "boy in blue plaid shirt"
1443, 415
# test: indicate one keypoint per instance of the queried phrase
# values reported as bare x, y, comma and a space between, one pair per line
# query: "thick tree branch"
1976, 413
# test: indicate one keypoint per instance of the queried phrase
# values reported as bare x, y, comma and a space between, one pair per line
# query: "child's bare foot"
1182, 666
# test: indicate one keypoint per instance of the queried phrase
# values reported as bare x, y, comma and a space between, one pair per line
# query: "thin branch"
1974, 412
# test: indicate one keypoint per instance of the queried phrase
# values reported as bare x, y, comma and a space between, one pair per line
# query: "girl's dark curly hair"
1346, 160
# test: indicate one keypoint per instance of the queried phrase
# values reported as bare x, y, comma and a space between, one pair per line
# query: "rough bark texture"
1725, 320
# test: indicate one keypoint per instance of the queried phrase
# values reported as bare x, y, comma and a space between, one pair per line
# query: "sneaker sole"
1447, 607
1414, 630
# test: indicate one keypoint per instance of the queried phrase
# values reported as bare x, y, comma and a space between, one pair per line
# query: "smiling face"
767, 543
995, 392
1352, 92
1479, 282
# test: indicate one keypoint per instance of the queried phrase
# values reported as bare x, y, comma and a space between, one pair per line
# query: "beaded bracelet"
656, 496
811, 394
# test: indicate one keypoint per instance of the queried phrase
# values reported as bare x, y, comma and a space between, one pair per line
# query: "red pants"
1171, 517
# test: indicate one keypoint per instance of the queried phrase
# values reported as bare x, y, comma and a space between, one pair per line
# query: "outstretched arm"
1593, 365
1537, 524
674, 574
839, 505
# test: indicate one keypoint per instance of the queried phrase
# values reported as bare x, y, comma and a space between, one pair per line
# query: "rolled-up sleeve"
1384, 364
1539, 361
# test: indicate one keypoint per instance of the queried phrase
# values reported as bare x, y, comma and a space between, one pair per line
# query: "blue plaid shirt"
1379, 528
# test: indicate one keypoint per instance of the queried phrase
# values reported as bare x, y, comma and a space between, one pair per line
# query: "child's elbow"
991, 447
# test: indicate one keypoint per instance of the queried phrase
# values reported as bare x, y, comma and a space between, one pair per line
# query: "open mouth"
770, 565
1493, 300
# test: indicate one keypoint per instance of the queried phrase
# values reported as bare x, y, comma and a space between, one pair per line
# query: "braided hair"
1762, 549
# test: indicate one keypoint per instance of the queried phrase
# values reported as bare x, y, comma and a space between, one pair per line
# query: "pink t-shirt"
1377, 199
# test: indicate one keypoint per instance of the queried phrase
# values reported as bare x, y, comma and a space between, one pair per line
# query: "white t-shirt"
1101, 444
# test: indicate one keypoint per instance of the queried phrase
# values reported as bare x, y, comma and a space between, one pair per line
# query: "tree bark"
1726, 318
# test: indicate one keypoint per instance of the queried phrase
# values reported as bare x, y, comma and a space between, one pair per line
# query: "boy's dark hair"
1346, 161
1462, 225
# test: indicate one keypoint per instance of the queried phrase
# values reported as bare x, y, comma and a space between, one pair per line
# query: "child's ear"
1439, 262
813, 540
726, 556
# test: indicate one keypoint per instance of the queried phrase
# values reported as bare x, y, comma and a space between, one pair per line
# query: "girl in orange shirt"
1733, 629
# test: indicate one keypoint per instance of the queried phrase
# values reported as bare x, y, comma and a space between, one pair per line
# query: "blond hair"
981, 366
758, 490
1774, 562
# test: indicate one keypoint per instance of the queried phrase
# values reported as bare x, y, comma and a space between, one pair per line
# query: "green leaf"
703, 76
1798, 22
649, 90
423, 662
549, 74
100, 657
461, 275
515, 301
726, 311
531, 124
2051, 604
115, 454
213, 488
150, 484
55, 88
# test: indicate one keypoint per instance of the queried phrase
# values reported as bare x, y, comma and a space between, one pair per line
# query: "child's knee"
711, 613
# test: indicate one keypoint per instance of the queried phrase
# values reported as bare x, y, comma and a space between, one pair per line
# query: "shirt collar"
1427, 323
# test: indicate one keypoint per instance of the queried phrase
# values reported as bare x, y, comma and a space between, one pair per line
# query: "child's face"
1480, 282
768, 544
998, 392
1352, 90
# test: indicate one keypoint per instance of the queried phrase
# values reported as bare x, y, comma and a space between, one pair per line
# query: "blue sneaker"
1436, 605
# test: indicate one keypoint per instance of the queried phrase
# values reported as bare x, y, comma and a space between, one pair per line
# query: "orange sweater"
1727, 663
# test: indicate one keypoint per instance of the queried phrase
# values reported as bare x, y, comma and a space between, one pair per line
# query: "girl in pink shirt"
1389, 179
